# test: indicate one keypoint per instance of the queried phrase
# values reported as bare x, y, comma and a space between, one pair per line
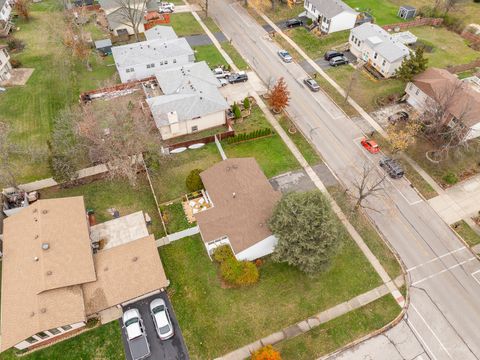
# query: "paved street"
444, 316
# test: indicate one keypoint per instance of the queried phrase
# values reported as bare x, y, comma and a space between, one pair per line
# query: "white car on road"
161, 319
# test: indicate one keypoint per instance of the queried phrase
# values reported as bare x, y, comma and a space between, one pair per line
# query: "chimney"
234, 195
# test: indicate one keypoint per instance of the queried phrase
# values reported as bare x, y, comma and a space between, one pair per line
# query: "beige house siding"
5, 66
187, 127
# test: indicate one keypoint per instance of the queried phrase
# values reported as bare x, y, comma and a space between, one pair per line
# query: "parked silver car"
312, 84
285, 56
161, 319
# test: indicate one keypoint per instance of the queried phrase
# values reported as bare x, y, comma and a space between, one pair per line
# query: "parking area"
324, 63
171, 349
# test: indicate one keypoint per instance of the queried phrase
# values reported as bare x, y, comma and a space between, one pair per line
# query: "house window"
66, 327
54, 331
150, 66
42, 335
161, 62
417, 92
375, 55
31, 340
129, 70
166, 62
384, 62
194, 128
174, 61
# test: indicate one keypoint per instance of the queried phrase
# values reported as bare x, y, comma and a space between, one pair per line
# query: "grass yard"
384, 11
466, 232
209, 22
336, 96
235, 56
103, 194
449, 48
316, 46
174, 217
104, 342
169, 177
340, 331
271, 153
185, 24
215, 320
283, 12
56, 82
255, 121
210, 54
368, 233
365, 90
307, 150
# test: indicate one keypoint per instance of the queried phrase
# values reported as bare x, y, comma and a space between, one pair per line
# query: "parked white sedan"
161, 319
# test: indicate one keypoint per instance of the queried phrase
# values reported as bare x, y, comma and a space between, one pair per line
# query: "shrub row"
234, 272
249, 136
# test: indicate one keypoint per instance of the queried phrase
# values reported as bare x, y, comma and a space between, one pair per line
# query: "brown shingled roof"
40, 288
465, 103
243, 202
124, 272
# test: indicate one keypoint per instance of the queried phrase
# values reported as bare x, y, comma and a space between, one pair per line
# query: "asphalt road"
171, 349
443, 320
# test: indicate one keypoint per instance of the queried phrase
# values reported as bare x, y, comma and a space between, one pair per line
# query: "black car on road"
291, 23
392, 167
331, 54
238, 77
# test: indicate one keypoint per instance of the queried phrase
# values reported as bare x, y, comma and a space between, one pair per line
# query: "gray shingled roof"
115, 4
381, 41
2, 2
118, 17
160, 32
190, 90
331, 8
100, 44
145, 52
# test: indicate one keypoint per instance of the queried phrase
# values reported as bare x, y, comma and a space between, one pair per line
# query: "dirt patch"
19, 77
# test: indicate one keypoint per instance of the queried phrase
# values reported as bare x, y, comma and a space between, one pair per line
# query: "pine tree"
307, 231
416, 64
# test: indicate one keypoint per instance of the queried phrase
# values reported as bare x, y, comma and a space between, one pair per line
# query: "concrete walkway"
459, 201
312, 322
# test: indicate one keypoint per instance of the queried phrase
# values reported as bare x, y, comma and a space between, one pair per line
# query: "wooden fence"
418, 22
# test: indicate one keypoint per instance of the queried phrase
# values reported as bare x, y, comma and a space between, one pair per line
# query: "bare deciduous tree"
369, 184
22, 7
75, 37
115, 132
131, 13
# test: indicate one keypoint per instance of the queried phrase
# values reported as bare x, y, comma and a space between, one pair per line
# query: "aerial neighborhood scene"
240, 179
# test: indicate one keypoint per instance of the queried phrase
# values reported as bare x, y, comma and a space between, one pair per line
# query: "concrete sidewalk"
459, 201
312, 322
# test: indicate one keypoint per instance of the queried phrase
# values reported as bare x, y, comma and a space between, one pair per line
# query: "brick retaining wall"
470, 36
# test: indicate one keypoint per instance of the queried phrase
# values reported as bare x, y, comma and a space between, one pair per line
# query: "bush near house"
194, 181
249, 136
234, 272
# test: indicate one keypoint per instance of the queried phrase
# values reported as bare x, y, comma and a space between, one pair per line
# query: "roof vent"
43, 310
35, 258
45, 246
32, 314
36, 236
234, 195
35, 210
49, 272
135, 258
105, 268
44, 212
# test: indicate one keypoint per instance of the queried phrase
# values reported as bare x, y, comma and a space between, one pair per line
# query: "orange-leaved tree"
279, 96
266, 353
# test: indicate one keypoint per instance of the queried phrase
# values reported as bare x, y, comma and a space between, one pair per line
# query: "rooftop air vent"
45, 246
49, 272
43, 310
135, 258
35, 258
44, 212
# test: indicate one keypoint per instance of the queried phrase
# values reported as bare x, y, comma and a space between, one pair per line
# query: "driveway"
172, 349
299, 181
324, 63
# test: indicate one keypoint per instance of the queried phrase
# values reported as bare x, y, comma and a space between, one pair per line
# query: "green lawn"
466, 232
185, 24
216, 320
104, 342
103, 194
449, 48
316, 46
307, 150
340, 331
366, 90
235, 56
169, 177
384, 11
174, 217
55, 83
210, 54
209, 22
282, 11
271, 153
368, 233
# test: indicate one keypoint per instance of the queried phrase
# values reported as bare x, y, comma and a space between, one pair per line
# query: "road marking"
437, 258
421, 339
431, 330
444, 270
474, 277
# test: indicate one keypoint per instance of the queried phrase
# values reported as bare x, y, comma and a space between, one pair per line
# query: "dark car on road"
331, 54
291, 23
392, 167
238, 77
338, 60
312, 84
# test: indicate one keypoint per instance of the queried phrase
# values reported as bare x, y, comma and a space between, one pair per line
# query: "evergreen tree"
416, 64
307, 231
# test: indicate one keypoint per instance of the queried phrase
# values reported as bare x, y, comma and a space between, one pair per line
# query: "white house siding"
474, 131
212, 245
416, 97
5, 11
25, 344
260, 249
5, 67
187, 127
343, 21
140, 71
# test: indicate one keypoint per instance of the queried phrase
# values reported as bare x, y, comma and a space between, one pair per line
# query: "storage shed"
104, 46
406, 12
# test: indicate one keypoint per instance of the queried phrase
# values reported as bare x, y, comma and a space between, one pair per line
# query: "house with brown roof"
438, 88
53, 281
242, 202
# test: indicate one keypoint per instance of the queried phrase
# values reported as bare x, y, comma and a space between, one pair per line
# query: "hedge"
249, 136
